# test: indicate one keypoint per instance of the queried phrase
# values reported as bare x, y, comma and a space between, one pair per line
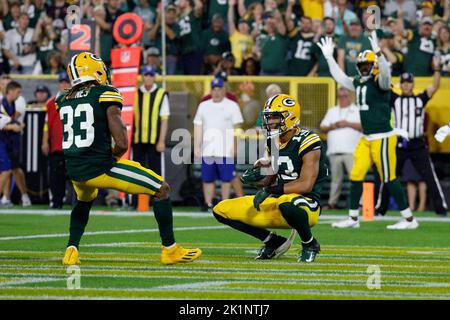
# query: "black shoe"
274, 247
207, 207
309, 251
379, 212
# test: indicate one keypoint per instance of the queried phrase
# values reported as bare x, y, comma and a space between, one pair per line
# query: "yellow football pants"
382, 152
126, 176
242, 209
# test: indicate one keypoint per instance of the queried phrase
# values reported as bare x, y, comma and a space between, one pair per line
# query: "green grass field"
120, 259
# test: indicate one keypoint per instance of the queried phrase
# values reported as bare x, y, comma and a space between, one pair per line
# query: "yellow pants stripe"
126, 176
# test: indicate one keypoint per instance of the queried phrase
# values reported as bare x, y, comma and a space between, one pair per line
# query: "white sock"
171, 246
406, 213
308, 240
268, 237
353, 213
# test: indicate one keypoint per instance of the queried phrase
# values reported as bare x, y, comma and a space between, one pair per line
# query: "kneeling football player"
91, 113
293, 202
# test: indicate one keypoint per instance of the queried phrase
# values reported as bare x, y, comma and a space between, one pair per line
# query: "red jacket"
54, 124
229, 95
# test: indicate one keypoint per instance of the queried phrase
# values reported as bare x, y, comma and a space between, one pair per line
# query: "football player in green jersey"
378, 143
298, 165
91, 113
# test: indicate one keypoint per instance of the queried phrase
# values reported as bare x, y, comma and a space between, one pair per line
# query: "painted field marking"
94, 233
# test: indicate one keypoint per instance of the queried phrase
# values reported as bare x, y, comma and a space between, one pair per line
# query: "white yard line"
28, 280
93, 233
191, 214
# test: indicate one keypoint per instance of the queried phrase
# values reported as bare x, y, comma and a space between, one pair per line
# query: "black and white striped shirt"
409, 113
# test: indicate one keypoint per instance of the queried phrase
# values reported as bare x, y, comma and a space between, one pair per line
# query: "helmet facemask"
365, 68
275, 123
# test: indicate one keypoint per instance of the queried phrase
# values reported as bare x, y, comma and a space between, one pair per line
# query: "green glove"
251, 176
259, 198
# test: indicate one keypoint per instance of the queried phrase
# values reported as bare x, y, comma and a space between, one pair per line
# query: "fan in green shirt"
349, 46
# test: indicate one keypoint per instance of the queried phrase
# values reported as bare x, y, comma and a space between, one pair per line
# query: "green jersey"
352, 47
420, 54
86, 136
445, 62
215, 43
373, 104
273, 52
188, 33
301, 47
290, 160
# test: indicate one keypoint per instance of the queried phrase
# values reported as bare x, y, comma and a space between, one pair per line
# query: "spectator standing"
409, 117
406, 6
444, 49
151, 122
240, 38
44, 37
349, 46
148, 15
343, 125
10, 145
325, 30
189, 32
395, 57
19, 47
52, 147
214, 43
11, 18
421, 48
153, 59
171, 34
214, 125
105, 20
343, 17
302, 61
217, 7
272, 45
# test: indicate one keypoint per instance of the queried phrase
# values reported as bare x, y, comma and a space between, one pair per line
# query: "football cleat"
309, 252
275, 246
404, 225
178, 254
26, 202
71, 257
347, 223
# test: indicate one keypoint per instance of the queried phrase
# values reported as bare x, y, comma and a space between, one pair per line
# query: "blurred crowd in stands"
243, 37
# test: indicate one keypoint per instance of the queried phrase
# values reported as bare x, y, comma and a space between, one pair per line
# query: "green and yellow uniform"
378, 143
87, 146
290, 163
302, 47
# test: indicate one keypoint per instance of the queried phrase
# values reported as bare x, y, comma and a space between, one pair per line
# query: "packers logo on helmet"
85, 67
367, 63
281, 113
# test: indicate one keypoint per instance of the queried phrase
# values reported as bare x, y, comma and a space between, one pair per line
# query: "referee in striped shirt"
409, 116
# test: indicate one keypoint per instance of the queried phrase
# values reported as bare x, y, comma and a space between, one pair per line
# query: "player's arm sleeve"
164, 112
111, 97
339, 75
311, 142
384, 79
424, 97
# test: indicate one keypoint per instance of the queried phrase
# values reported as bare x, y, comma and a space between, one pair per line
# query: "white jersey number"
67, 115
361, 92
